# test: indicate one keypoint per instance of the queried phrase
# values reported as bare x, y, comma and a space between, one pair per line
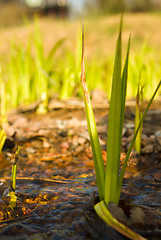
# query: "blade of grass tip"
137, 120
134, 137
105, 215
95, 144
3, 104
141, 107
124, 87
114, 125
2, 139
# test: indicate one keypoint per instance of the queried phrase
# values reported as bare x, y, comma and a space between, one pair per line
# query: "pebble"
117, 212
145, 140
158, 133
129, 139
158, 144
46, 144
124, 132
147, 149
30, 150
157, 176
37, 144
137, 215
81, 140
130, 125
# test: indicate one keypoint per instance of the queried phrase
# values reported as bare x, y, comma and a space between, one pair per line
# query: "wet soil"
56, 185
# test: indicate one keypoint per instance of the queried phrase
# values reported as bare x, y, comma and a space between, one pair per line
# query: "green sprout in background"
12, 195
2, 139
3, 114
138, 116
44, 68
110, 181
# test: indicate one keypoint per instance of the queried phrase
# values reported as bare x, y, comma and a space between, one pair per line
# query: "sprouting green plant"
3, 114
43, 66
138, 116
24, 68
13, 82
70, 71
12, 195
2, 139
110, 181
145, 62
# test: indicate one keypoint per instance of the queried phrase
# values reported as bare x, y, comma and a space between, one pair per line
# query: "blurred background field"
40, 48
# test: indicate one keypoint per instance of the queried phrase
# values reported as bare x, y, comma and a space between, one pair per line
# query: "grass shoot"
12, 195
138, 116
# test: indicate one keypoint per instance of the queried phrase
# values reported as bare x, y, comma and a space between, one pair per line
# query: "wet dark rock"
9, 143
137, 215
98, 229
36, 236
117, 212
157, 176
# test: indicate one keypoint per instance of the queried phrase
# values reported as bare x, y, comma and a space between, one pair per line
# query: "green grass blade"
133, 139
138, 116
3, 101
96, 148
114, 125
105, 215
137, 144
2, 139
49, 59
124, 87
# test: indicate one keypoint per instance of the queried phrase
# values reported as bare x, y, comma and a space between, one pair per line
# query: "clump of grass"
110, 181
28, 75
44, 66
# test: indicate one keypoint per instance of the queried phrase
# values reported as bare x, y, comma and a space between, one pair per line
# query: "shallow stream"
56, 184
